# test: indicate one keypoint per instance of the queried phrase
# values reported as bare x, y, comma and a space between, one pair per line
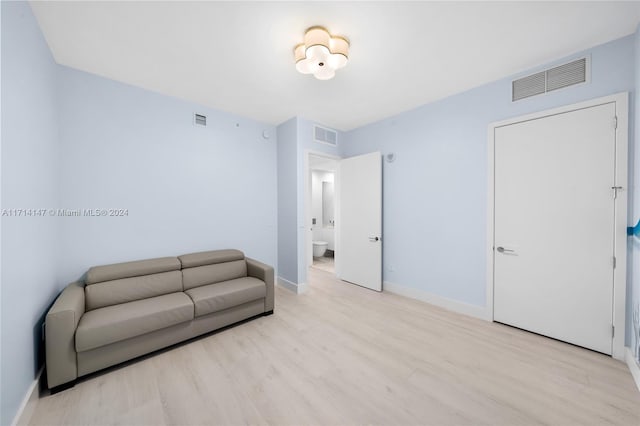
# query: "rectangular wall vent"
529, 86
324, 135
565, 75
200, 120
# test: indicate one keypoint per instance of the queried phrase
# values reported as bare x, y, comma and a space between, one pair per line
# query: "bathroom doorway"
321, 212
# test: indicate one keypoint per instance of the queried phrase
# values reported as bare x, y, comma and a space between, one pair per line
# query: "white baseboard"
296, 288
633, 365
28, 404
443, 302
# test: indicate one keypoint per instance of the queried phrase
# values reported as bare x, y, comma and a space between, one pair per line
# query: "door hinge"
614, 262
613, 331
615, 122
615, 191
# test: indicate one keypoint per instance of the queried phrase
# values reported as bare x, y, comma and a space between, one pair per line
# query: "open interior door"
361, 220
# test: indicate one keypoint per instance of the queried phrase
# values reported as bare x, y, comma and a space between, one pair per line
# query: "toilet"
319, 248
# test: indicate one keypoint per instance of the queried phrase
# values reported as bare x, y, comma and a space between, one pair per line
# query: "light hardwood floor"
326, 264
342, 355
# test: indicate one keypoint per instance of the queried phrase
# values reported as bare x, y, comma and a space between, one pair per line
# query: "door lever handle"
504, 250
374, 239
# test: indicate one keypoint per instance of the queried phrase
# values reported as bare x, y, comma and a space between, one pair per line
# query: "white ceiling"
238, 56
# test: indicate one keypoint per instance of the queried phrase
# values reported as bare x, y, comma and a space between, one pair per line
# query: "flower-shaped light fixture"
321, 54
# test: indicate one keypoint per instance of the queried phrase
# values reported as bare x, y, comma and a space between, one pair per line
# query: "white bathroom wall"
328, 232
329, 235
316, 204
320, 232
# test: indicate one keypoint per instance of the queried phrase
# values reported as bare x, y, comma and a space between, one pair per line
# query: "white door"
554, 226
360, 220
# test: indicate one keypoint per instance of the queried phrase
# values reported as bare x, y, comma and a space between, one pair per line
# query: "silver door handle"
504, 250
374, 239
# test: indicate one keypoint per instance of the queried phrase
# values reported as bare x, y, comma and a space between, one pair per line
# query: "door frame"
621, 101
307, 205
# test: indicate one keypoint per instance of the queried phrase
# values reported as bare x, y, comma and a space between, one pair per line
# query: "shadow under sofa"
126, 310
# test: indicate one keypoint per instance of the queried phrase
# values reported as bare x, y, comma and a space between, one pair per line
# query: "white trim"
490, 219
621, 212
621, 101
28, 404
291, 286
618, 97
433, 299
308, 228
633, 366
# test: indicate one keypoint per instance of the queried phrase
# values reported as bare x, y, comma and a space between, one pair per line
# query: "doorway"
322, 203
559, 204
344, 217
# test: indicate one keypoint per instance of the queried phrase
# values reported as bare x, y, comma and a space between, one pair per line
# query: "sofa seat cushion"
227, 294
114, 323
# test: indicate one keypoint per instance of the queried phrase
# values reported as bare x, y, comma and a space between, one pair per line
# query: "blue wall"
295, 141
435, 192
72, 140
186, 188
30, 165
287, 200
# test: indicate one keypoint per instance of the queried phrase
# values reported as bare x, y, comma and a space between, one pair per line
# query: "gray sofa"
125, 310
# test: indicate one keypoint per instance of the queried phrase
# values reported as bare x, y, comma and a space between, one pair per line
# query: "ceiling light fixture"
321, 54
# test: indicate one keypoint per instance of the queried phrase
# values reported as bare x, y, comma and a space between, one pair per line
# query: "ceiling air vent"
324, 135
551, 79
200, 120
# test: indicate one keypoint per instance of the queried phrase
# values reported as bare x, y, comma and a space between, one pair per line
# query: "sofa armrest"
265, 273
60, 330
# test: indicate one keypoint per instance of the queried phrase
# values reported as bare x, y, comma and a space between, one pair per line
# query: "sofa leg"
268, 313
54, 390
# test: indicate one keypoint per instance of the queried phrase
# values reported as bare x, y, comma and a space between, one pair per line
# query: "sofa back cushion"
212, 267
125, 282
210, 257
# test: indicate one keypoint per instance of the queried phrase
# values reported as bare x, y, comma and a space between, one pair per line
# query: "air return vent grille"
324, 135
567, 75
529, 86
200, 120
552, 79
